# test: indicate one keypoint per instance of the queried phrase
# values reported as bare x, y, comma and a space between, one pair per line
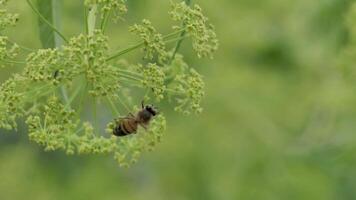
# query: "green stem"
129, 49
130, 82
86, 20
123, 103
74, 95
81, 99
130, 77
117, 113
95, 114
176, 39
14, 62
21, 46
174, 33
92, 20
124, 51
179, 43
46, 21
105, 21
129, 72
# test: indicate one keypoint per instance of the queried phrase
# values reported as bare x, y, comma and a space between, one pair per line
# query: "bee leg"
142, 104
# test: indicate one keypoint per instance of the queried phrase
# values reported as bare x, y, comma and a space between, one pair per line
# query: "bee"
128, 125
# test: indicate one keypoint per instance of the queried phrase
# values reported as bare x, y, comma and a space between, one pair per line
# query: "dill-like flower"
152, 40
87, 55
41, 65
205, 42
12, 102
7, 51
130, 148
51, 91
55, 127
153, 79
188, 87
6, 19
116, 7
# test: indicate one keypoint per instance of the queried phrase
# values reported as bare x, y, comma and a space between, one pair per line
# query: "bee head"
151, 110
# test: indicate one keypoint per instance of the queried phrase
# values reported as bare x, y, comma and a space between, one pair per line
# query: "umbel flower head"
87, 54
12, 102
152, 40
188, 87
205, 42
6, 19
58, 87
8, 51
57, 127
116, 7
153, 78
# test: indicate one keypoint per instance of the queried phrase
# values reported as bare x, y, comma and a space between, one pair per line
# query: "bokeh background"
279, 117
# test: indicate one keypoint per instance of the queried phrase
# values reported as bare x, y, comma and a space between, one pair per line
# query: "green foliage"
47, 35
51, 90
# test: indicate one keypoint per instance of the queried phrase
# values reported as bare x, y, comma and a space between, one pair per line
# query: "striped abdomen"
125, 127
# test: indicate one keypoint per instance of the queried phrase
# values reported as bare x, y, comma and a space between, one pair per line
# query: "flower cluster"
117, 7
152, 40
86, 54
130, 148
6, 19
153, 78
205, 42
188, 86
60, 129
51, 91
55, 129
12, 102
7, 51
41, 65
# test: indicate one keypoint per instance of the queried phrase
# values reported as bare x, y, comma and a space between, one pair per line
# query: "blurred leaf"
49, 9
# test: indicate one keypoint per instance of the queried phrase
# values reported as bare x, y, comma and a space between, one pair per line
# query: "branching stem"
136, 46
179, 42
46, 21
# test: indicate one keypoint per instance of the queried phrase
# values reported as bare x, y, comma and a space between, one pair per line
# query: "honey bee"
128, 125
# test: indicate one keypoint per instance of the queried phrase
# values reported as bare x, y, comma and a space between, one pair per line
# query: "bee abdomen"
126, 127
118, 131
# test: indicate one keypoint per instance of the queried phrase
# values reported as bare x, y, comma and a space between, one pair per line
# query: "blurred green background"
279, 117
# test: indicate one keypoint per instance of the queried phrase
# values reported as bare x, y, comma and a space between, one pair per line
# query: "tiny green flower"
52, 89
188, 86
41, 65
7, 51
116, 7
55, 128
153, 79
6, 19
11, 102
152, 40
205, 42
87, 55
